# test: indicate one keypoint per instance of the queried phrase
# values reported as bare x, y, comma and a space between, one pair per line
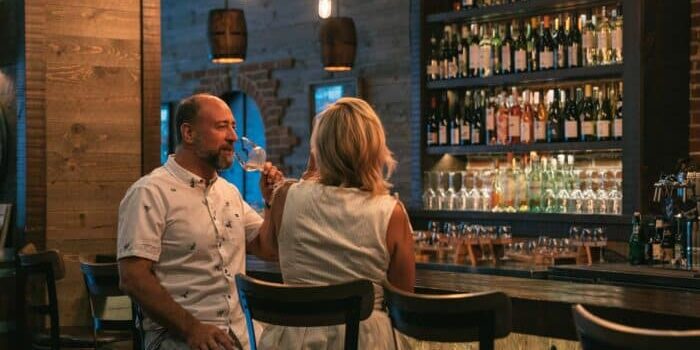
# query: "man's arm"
137, 280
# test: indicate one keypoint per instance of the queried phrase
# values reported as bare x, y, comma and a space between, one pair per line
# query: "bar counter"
543, 307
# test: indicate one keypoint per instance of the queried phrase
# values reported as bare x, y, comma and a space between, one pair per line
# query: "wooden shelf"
524, 148
522, 8
566, 74
521, 217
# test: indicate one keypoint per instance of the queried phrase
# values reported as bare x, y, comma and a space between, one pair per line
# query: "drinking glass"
250, 156
429, 195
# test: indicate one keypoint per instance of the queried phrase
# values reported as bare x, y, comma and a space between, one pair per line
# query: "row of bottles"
476, 117
655, 241
465, 5
537, 184
483, 50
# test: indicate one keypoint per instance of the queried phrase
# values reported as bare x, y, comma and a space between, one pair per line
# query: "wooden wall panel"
150, 87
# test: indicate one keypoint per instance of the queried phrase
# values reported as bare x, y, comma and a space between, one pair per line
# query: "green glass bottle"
635, 253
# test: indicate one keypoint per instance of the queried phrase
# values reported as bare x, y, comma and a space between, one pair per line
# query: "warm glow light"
324, 8
337, 68
227, 60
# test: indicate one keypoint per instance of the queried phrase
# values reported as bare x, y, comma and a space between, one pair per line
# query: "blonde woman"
339, 223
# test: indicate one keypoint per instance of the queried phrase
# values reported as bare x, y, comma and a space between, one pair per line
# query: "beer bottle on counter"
635, 254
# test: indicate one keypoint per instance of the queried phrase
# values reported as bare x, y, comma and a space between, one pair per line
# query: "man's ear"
188, 133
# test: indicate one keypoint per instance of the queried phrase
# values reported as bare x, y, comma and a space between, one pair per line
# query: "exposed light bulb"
324, 8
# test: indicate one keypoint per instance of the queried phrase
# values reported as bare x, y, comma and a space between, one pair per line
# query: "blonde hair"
349, 146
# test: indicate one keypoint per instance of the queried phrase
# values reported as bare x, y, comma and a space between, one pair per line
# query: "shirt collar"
187, 176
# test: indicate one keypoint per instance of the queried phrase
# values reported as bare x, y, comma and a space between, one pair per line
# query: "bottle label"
603, 128
465, 132
546, 59
432, 138
571, 129
477, 136
587, 128
502, 128
617, 39
505, 57
525, 132
574, 51
540, 130
490, 119
485, 59
603, 40
617, 126
453, 68
520, 60
445, 69
463, 56
455, 136
474, 57
443, 134
587, 39
561, 56
514, 125
434, 69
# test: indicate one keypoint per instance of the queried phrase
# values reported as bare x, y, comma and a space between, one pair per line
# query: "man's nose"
231, 136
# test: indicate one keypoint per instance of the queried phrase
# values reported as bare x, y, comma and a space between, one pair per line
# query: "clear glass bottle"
589, 197
463, 194
474, 194
549, 190
616, 35
576, 195
563, 194
601, 194
603, 30
450, 194
486, 191
534, 183
485, 53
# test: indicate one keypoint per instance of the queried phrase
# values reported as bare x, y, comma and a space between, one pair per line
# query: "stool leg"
53, 308
486, 333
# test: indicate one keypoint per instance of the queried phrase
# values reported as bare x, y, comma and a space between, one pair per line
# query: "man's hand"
208, 337
271, 176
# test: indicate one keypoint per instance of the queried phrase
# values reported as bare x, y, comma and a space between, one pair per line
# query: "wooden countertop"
543, 307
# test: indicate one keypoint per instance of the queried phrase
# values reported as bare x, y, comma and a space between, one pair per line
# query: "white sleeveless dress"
331, 235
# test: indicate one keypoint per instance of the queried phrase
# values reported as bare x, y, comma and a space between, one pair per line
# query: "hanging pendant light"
338, 41
228, 37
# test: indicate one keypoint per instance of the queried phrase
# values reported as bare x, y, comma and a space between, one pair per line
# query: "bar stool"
101, 276
306, 306
450, 317
596, 333
50, 266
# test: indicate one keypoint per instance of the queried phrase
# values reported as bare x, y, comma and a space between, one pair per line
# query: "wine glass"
250, 156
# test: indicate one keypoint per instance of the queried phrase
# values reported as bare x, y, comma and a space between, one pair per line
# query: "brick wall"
695, 80
280, 30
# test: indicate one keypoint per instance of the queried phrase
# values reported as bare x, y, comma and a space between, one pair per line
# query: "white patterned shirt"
195, 233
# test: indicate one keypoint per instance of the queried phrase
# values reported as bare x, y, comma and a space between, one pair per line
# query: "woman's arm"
399, 242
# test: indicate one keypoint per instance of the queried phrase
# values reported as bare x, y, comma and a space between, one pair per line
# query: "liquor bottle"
478, 115
635, 253
433, 69
545, 46
561, 179
486, 53
432, 124
560, 44
497, 193
463, 49
657, 252
571, 132
587, 116
490, 136
667, 243
508, 185
532, 39
555, 119
616, 35
497, 33
446, 53
514, 118
521, 51
526, 129
540, 129
507, 49
603, 30
602, 127
574, 42
590, 41
617, 116
454, 53
443, 122
474, 51
455, 124
521, 187
468, 118
534, 181
502, 119
549, 194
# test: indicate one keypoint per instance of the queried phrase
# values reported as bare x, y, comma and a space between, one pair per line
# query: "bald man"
184, 233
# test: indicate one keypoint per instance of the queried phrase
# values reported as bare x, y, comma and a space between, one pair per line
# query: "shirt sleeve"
141, 224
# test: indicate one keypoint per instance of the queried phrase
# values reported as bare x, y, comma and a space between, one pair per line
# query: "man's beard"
218, 159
